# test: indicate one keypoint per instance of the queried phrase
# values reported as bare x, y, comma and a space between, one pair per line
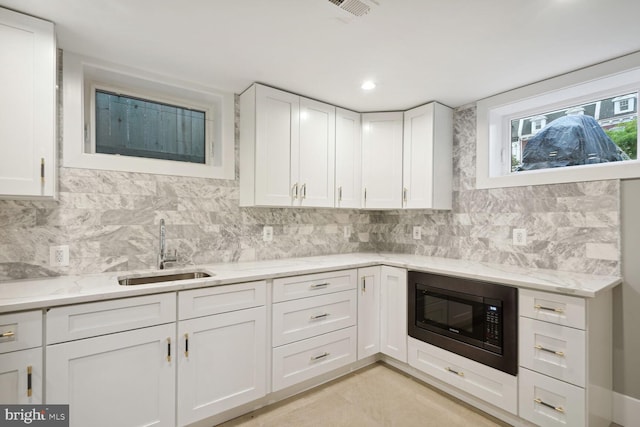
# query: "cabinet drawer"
494, 386
88, 320
19, 331
549, 402
300, 319
289, 288
306, 359
221, 299
554, 308
555, 350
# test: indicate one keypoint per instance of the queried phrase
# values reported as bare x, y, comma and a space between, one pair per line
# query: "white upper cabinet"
382, 160
428, 164
348, 187
314, 170
287, 149
27, 110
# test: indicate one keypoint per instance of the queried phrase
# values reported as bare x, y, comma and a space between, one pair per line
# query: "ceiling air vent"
354, 7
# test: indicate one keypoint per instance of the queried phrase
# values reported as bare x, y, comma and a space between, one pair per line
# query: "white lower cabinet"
549, 402
494, 386
121, 379
21, 377
368, 311
221, 362
565, 356
303, 360
21, 358
393, 312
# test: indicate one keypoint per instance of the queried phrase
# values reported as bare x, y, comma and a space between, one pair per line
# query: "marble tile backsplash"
571, 227
110, 222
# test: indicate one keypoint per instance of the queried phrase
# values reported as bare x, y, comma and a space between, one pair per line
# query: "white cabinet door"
348, 159
222, 363
368, 311
21, 377
277, 131
27, 110
428, 162
393, 312
313, 160
382, 160
122, 379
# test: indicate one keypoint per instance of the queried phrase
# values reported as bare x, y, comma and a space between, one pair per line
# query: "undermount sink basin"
161, 277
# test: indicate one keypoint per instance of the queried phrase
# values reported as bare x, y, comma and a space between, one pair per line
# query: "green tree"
626, 137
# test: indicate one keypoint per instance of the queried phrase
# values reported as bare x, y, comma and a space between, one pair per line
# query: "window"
127, 120
515, 148
582, 134
138, 127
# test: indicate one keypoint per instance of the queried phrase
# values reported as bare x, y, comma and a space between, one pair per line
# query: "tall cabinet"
287, 149
27, 110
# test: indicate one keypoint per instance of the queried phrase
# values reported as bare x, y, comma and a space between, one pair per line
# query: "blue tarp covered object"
570, 141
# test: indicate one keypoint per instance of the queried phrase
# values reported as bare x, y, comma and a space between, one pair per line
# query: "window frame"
494, 115
81, 75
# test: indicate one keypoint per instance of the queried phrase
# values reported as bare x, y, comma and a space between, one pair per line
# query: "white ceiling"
452, 51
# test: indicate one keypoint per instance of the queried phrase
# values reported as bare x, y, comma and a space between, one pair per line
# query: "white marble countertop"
49, 292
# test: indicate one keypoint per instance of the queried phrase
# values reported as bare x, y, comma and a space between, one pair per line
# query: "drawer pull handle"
460, 374
7, 334
318, 285
555, 408
29, 387
541, 307
320, 356
186, 345
319, 316
168, 349
541, 348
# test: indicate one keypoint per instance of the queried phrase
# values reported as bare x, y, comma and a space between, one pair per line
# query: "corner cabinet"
28, 107
428, 158
382, 160
287, 149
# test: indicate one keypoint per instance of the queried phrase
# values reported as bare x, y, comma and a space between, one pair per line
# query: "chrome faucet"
162, 256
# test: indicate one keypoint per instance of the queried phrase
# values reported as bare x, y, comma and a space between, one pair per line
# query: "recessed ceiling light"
368, 85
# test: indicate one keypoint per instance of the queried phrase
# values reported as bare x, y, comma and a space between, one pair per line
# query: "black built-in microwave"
474, 319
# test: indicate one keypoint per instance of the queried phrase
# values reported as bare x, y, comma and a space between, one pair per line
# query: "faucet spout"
162, 256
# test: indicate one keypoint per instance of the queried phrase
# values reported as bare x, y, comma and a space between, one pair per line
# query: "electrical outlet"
347, 231
267, 233
417, 232
519, 236
59, 256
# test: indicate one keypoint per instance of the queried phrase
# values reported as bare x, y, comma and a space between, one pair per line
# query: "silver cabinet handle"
294, 191
340, 193
318, 285
303, 192
461, 374
320, 356
404, 195
365, 195
541, 348
541, 307
548, 405
364, 284
319, 316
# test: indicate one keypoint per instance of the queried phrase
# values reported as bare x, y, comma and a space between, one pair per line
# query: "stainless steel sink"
161, 277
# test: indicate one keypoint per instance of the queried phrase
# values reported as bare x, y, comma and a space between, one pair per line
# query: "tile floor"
378, 395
